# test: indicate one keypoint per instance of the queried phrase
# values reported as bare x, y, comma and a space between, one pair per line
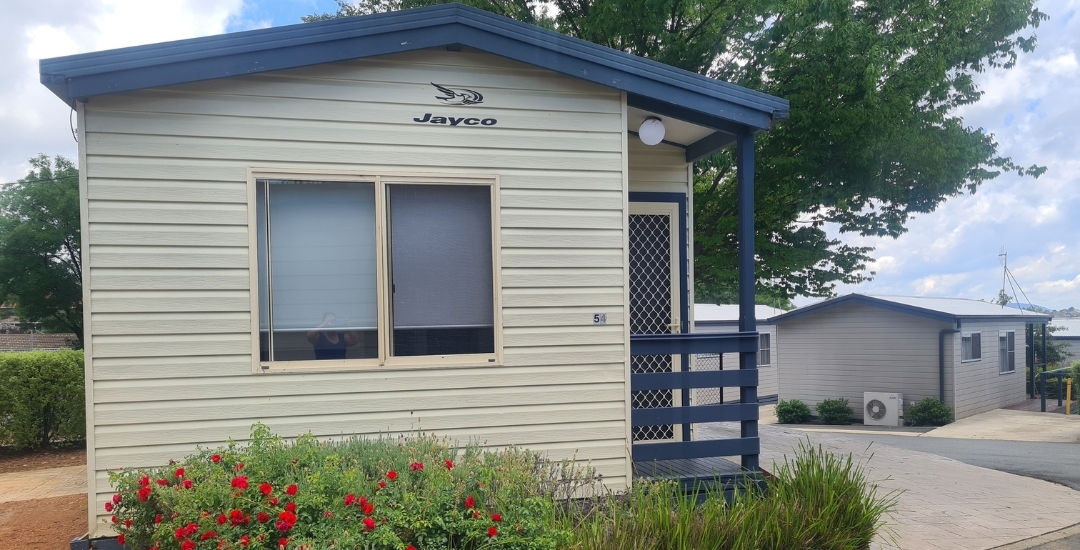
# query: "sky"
1031, 109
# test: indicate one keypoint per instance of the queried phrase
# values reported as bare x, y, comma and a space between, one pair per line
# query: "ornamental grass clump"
416, 493
815, 500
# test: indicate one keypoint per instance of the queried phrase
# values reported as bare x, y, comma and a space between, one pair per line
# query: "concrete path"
35, 484
943, 503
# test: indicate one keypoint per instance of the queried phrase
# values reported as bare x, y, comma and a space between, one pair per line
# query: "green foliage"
394, 494
792, 411
818, 500
41, 398
875, 134
929, 412
371, 494
834, 411
40, 262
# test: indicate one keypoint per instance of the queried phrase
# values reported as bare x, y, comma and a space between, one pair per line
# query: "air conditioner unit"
881, 408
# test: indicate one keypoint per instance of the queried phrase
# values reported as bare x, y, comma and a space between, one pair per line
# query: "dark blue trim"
744, 176
896, 307
708, 145
677, 344
732, 412
672, 91
646, 452
645, 381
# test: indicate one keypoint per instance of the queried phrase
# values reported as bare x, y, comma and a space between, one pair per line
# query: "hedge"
41, 398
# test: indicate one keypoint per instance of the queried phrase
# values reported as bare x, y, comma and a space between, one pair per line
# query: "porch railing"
684, 412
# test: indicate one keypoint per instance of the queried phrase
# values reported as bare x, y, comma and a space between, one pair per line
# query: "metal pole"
744, 163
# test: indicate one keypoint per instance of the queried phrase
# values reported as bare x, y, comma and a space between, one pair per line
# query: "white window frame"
764, 347
382, 182
970, 336
1006, 355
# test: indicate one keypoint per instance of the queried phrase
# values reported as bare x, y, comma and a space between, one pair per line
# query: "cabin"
435, 220
969, 354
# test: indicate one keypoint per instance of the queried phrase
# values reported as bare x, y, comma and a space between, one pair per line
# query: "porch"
668, 405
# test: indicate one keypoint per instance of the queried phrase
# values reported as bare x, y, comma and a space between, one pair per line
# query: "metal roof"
1069, 328
720, 314
947, 309
655, 87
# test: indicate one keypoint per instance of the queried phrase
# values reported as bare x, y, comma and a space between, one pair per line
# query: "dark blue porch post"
744, 165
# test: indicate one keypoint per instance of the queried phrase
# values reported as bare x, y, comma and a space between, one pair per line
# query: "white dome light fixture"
651, 131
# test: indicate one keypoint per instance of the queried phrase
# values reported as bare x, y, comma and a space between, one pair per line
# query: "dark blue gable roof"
650, 85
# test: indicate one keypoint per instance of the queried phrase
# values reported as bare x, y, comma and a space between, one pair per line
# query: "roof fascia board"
708, 145
86, 75
859, 298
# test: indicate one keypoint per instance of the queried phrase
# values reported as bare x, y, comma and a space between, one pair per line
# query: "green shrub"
818, 500
372, 494
41, 398
929, 412
834, 411
792, 411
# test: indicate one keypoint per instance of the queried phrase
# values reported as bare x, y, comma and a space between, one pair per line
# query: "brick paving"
942, 503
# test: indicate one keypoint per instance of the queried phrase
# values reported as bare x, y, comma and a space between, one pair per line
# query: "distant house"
435, 219
968, 353
1069, 335
723, 319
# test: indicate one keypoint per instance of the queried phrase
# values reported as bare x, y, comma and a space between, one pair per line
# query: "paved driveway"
943, 503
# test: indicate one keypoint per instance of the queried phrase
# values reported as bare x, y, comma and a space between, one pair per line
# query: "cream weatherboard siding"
980, 386
854, 348
169, 254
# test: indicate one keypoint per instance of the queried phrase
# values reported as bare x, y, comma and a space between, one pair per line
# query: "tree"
873, 138
40, 262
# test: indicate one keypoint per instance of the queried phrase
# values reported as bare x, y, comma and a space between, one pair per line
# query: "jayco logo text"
428, 118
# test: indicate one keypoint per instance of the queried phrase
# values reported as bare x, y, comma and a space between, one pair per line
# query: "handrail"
1058, 374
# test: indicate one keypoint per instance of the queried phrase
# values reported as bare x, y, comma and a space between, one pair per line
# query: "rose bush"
271, 494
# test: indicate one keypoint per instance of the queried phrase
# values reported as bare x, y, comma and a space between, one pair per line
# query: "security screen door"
654, 303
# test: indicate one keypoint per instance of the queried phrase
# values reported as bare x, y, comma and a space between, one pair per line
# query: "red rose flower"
283, 542
179, 472
157, 519
127, 523
265, 488
108, 507
410, 547
327, 514
144, 481
349, 499
496, 517
215, 459
116, 498
392, 475
209, 535
187, 545
120, 539
369, 524
449, 464
263, 517
144, 494
239, 466
187, 484
236, 517
470, 502
273, 501
382, 484
492, 532
163, 482
368, 509
416, 466
291, 490
244, 540
222, 519
115, 519
476, 514
240, 482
